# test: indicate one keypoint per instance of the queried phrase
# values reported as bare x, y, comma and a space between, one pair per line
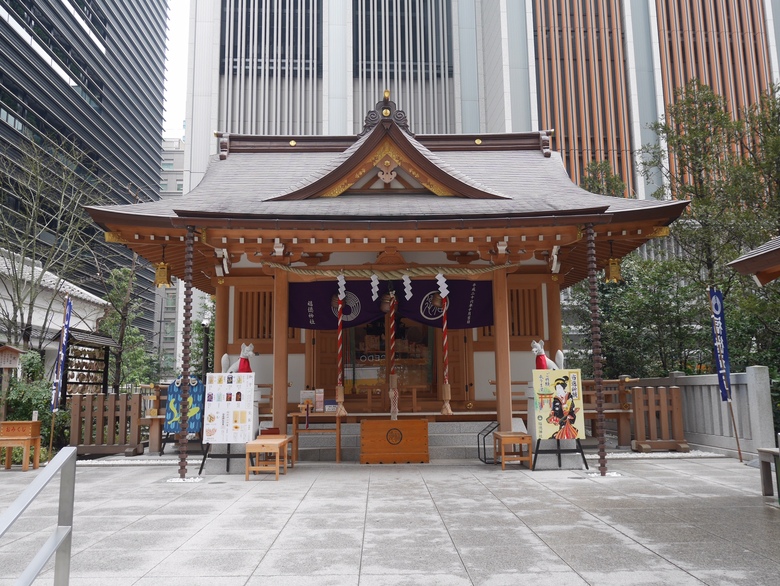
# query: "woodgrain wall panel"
582, 83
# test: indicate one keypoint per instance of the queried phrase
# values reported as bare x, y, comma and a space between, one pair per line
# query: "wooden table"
155, 424
266, 444
502, 439
21, 434
298, 418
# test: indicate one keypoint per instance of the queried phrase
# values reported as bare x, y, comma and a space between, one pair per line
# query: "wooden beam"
281, 320
222, 309
503, 369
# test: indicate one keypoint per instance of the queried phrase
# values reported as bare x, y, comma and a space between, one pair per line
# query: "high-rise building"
89, 74
596, 71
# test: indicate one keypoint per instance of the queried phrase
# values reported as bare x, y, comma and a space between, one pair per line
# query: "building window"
180, 185
169, 332
163, 186
170, 301
167, 165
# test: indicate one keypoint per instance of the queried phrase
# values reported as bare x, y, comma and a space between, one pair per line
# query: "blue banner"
57, 386
720, 344
194, 407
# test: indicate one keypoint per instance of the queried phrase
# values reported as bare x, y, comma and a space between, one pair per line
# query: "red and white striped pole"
446, 391
340, 411
393, 379
340, 381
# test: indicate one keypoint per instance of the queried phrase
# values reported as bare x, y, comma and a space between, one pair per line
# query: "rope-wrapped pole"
340, 411
393, 379
340, 339
446, 392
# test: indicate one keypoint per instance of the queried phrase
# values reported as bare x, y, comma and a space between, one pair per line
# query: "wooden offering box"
393, 442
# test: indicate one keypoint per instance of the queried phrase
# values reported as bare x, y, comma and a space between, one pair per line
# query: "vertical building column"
772, 11
501, 335
554, 316
466, 56
337, 81
280, 348
221, 325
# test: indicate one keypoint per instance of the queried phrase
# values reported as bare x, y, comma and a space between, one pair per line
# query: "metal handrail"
60, 541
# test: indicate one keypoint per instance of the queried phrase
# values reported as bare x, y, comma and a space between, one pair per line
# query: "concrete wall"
707, 420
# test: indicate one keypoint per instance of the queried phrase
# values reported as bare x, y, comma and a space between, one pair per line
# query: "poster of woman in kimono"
558, 399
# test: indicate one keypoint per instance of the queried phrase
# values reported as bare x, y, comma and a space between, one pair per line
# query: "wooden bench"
766, 456
502, 439
21, 434
267, 444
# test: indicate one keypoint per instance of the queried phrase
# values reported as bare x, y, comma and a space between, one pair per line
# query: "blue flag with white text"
57, 385
720, 346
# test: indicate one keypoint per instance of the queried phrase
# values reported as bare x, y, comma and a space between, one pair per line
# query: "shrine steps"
447, 440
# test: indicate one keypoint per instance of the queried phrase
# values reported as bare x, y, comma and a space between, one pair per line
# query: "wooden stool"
264, 445
512, 439
21, 434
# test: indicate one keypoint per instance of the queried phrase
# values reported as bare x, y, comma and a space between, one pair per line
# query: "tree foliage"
32, 392
131, 363
658, 319
44, 234
728, 168
702, 162
599, 178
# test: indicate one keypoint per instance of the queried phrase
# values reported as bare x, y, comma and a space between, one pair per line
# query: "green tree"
702, 162
761, 143
132, 364
651, 323
599, 178
44, 234
32, 392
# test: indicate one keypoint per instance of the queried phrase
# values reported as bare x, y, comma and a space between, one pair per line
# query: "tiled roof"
241, 185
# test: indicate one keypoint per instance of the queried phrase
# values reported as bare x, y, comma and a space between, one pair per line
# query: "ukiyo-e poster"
229, 416
558, 404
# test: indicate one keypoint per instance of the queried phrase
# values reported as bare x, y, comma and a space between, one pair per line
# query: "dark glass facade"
89, 74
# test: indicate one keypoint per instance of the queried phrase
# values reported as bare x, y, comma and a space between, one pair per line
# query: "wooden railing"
106, 424
617, 404
616, 395
658, 419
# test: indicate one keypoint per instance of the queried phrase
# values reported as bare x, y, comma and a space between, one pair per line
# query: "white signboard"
230, 414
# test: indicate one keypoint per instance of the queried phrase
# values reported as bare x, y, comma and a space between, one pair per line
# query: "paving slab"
648, 521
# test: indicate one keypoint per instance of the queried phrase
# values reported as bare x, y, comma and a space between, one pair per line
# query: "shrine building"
387, 260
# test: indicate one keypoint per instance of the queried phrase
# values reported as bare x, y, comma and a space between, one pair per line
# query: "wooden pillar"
501, 335
221, 324
280, 347
554, 319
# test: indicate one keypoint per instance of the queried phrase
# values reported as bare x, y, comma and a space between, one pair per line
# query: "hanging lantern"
162, 272
612, 270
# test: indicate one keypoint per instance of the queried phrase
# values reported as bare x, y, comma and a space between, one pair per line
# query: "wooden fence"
658, 419
106, 424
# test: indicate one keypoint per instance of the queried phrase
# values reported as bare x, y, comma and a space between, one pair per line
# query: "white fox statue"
242, 364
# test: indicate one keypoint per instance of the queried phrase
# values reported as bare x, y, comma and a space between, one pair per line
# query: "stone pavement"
649, 521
